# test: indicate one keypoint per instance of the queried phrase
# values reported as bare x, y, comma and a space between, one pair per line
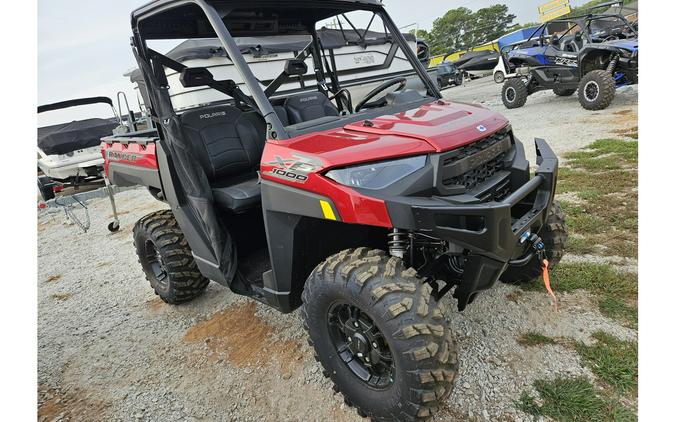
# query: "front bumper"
490, 231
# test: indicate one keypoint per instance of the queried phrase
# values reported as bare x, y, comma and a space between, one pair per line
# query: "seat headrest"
309, 106
206, 116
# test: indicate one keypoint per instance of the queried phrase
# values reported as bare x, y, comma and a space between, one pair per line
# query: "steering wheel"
401, 81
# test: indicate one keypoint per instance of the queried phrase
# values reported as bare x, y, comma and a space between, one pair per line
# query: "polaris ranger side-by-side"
363, 215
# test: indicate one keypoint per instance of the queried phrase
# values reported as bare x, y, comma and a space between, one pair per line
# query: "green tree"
461, 29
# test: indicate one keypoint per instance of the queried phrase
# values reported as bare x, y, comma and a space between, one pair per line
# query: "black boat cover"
66, 137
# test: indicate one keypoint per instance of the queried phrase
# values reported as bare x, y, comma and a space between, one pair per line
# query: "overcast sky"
83, 45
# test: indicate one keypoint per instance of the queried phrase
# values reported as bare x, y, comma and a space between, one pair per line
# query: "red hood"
434, 127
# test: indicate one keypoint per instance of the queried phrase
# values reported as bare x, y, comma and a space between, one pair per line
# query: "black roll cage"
575, 20
259, 98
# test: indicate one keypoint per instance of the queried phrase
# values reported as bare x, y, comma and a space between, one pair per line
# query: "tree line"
461, 28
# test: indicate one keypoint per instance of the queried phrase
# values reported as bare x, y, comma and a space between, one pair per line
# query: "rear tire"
554, 234
514, 93
596, 90
499, 77
561, 92
166, 258
393, 319
46, 191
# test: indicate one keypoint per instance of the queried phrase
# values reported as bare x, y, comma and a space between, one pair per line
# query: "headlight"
377, 175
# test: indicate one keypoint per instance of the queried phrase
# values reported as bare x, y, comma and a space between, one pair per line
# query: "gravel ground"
560, 120
109, 349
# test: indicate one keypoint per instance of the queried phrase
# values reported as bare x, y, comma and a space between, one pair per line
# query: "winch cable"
540, 249
547, 282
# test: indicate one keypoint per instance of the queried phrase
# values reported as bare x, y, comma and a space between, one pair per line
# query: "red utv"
365, 207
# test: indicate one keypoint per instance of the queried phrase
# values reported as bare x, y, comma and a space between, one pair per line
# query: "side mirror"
577, 36
295, 67
555, 40
195, 76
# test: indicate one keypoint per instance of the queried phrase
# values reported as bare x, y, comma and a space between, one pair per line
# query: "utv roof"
160, 5
165, 19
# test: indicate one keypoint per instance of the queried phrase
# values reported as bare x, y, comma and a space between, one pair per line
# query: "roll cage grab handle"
276, 129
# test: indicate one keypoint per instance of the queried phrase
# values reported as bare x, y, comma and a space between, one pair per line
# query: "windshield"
340, 53
610, 27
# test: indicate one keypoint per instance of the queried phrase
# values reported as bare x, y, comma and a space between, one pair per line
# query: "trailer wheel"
514, 93
166, 258
554, 234
596, 90
45, 188
561, 92
499, 77
379, 334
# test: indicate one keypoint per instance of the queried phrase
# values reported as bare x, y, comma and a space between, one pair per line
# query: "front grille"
478, 175
476, 147
467, 168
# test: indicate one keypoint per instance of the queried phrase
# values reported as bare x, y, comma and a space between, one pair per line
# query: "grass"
613, 361
602, 218
604, 177
616, 308
531, 338
573, 399
596, 278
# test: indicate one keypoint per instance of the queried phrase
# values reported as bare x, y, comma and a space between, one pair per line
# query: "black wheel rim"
510, 94
155, 263
591, 91
361, 345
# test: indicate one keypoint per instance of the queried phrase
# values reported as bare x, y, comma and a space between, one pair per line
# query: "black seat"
228, 145
309, 106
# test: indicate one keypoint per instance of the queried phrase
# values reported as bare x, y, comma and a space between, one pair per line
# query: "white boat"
70, 152
363, 58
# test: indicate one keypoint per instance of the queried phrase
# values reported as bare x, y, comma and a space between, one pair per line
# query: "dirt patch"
155, 305
53, 278
244, 338
625, 112
630, 132
75, 406
103, 264
515, 295
62, 296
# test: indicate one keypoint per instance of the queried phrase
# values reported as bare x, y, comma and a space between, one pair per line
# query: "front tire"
554, 234
379, 335
596, 90
499, 77
166, 258
514, 93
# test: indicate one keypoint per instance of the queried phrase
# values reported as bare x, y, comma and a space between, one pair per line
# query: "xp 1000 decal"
296, 169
